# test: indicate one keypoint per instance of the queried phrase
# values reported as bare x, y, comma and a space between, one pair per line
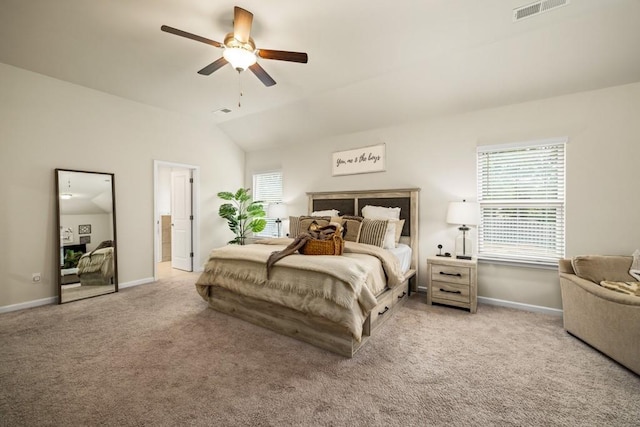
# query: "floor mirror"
86, 227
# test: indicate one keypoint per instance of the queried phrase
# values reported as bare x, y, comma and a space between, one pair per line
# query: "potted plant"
243, 215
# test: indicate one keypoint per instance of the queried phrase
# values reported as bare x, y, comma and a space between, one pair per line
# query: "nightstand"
453, 282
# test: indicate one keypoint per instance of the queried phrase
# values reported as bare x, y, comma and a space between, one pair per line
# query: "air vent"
222, 111
537, 8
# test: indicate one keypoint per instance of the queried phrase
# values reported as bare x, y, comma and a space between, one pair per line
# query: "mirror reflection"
86, 223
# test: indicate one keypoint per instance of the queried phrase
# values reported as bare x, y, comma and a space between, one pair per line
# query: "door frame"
195, 211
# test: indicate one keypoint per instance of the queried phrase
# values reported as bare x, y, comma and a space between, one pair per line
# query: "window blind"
267, 187
521, 192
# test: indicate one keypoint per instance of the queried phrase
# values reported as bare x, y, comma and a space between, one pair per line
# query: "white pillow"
328, 212
380, 212
389, 241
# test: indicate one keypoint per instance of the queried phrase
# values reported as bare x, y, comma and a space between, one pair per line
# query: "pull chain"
239, 88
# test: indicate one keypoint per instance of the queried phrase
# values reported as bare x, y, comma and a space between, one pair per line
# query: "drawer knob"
451, 274
450, 292
380, 313
401, 296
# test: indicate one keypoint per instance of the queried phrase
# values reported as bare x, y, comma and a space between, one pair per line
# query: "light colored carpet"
157, 355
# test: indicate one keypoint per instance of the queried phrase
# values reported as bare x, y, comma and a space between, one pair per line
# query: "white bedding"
403, 253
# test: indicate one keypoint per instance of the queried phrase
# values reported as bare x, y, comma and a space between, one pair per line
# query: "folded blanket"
627, 288
635, 266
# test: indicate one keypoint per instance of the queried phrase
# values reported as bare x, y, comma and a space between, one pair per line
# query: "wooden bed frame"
316, 330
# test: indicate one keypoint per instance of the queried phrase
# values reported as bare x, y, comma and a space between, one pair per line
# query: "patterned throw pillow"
373, 231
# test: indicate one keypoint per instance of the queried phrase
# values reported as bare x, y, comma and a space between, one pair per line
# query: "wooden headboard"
352, 202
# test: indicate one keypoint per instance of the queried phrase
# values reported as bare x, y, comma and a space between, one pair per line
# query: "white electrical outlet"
36, 277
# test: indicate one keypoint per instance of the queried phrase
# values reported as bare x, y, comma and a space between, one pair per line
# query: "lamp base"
463, 244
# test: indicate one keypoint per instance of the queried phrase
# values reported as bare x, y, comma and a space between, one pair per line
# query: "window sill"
519, 263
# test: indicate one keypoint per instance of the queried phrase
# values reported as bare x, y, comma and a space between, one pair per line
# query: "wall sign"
359, 160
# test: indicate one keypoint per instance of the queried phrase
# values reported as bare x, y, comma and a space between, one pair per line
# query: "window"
521, 192
267, 187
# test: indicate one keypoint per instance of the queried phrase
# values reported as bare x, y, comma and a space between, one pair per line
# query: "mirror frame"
57, 173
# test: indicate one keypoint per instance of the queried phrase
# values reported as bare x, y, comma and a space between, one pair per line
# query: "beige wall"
46, 124
438, 155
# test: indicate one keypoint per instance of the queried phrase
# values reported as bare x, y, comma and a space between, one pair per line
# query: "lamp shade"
463, 213
277, 210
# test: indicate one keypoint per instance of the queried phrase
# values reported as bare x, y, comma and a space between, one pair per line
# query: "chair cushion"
598, 268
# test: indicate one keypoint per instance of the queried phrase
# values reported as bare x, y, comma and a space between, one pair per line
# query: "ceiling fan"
240, 50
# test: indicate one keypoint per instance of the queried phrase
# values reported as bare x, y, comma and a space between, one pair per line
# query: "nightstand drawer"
450, 291
445, 273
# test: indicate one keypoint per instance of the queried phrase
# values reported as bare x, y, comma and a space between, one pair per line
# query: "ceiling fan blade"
242, 20
181, 33
215, 65
282, 55
262, 75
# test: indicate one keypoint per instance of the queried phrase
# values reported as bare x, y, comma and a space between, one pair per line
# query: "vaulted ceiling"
371, 63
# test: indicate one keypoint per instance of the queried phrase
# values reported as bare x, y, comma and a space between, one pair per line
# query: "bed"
97, 267
333, 302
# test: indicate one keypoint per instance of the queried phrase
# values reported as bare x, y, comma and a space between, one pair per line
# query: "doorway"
176, 219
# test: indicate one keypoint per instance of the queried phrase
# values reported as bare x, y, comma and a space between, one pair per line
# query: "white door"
181, 220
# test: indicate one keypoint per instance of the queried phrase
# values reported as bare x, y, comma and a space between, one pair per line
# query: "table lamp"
278, 211
464, 214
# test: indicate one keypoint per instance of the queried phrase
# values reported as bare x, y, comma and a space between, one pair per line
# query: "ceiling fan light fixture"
239, 58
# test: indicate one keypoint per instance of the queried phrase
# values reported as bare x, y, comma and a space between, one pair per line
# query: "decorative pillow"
597, 268
380, 212
389, 241
373, 231
300, 224
352, 226
628, 288
294, 226
399, 225
328, 212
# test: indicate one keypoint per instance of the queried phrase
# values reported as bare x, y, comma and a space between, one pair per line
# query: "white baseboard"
520, 306
136, 282
512, 304
54, 300
28, 304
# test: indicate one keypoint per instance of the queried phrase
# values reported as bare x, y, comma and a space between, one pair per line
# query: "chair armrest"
599, 291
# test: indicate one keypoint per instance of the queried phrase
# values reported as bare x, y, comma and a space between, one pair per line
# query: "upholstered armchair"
607, 320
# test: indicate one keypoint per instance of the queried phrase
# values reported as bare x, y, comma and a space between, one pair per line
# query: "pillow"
300, 224
399, 225
597, 268
352, 226
294, 226
380, 212
389, 241
328, 212
373, 232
